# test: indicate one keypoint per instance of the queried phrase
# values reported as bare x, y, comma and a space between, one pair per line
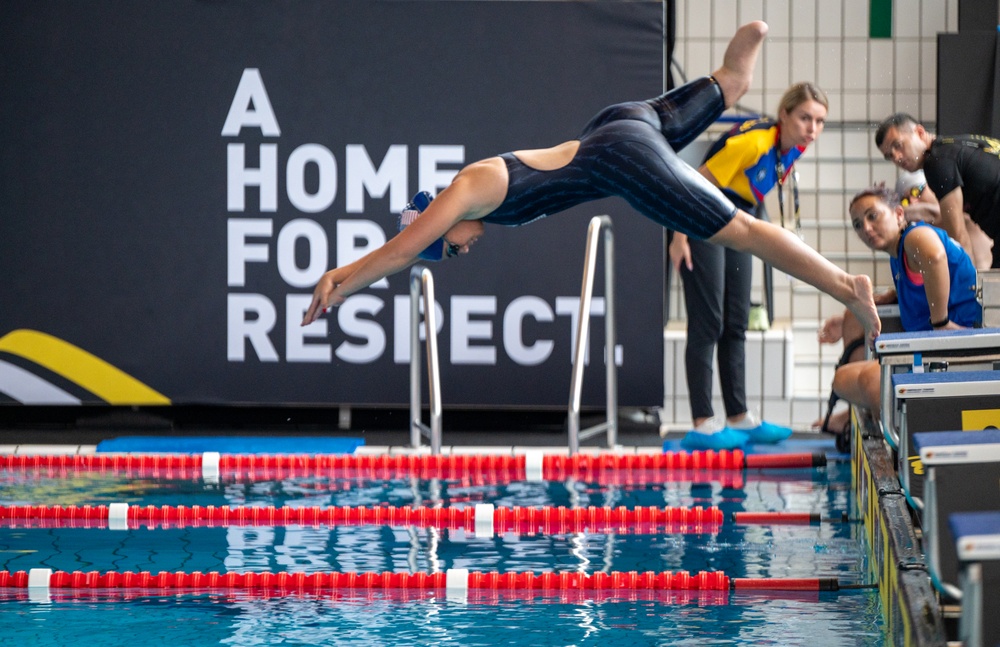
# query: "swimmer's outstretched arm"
476, 191
396, 255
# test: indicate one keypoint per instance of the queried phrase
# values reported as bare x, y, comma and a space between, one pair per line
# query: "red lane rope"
792, 518
786, 584
475, 580
610, 468
547, 520
774, 461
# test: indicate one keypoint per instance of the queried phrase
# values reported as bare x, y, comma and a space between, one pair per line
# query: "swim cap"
436, 250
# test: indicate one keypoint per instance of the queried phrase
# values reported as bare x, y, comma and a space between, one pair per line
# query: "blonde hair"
798, 94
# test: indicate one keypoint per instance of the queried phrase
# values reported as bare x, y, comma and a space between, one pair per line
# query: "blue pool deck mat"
824, 445
977, 539
230, 445
961, 470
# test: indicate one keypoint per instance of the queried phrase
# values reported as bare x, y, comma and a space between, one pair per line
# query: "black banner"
176, 176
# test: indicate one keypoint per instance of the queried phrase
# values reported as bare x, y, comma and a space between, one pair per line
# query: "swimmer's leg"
686, 112
736, 73
785, 251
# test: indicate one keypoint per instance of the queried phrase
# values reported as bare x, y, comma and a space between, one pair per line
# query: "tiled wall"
866, 80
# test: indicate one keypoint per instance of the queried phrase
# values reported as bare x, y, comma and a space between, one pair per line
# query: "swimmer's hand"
323, 298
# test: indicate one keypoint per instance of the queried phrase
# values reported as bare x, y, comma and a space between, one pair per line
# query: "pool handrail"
422, 281
597, 224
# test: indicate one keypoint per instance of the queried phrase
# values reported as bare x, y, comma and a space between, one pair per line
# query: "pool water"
846, 617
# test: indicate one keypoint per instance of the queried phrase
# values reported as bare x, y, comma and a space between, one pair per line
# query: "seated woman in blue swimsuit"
934, 279
627, 150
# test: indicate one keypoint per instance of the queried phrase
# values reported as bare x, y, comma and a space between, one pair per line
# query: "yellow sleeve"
740, 152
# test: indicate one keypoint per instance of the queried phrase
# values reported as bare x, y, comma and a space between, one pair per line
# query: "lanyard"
794, 174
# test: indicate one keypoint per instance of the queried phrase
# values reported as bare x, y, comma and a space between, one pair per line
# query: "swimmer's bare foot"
738, 62
862, 305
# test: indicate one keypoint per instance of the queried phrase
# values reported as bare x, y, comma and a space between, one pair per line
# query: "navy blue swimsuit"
627, 150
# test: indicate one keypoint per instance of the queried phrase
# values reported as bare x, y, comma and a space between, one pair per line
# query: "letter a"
251, 107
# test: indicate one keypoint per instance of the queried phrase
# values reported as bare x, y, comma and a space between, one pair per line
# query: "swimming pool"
478, 617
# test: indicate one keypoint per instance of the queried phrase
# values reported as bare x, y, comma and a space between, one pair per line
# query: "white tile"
907, 102
805, 343
883, 171
699, 54
928, 106
805, 305
777, 14
699, 21
857, 175
803, 61
856, 63
830, 19
807, 377
808, 177
933, 18
830, 143
724, 22
754, 363
906, 18
776, 411
880, 105
8, 449
804, 20
832, 207
951, 22
751, 10
805, 412
829, 73
680, 59
907, 64
831, 176
880, 64
928, 67
859, 143
855, 18
776, 69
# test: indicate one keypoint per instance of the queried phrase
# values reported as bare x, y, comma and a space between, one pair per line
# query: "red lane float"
457, 579
609, 468
548, 520
790, 518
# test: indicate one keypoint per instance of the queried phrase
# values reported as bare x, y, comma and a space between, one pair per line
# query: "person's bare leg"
786, 252
859, 383
736, 73
853, 330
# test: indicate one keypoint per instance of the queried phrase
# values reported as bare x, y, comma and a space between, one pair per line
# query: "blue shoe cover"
767, 434
725, 439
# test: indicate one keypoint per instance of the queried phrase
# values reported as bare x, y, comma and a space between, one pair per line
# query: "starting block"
961, 469
973, 349
977, 541
936, 402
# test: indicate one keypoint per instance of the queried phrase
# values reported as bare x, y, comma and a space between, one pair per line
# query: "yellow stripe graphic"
80, 367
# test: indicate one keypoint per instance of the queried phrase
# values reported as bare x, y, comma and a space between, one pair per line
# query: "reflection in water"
421, 617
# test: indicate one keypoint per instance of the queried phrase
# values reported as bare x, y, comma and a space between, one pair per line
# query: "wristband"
939, 324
